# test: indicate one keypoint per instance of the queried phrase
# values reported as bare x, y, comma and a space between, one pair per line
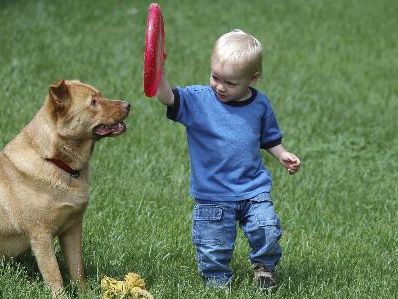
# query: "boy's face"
229, 83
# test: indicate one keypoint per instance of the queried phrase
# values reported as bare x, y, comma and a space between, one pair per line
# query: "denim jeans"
214, 234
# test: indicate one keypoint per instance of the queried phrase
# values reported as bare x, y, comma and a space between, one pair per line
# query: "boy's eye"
214, 77
231, 84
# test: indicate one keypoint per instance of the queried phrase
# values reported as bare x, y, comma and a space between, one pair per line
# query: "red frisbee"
154, 54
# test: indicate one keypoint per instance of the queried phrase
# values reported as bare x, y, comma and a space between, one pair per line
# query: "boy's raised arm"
165, 94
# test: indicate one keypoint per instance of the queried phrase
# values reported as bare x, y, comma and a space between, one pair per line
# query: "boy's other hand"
290, 161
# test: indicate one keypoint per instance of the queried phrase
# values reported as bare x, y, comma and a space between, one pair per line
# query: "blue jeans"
214, 234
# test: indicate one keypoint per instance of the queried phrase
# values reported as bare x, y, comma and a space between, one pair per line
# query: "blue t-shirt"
224, 141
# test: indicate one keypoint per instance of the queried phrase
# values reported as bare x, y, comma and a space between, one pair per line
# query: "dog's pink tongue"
106, 130
101, 131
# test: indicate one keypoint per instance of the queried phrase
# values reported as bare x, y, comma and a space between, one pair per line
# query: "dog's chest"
54, 205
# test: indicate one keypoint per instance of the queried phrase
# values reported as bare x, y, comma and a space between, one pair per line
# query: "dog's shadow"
27, 265
25, 262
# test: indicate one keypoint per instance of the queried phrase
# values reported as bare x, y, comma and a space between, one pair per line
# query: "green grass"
330, 70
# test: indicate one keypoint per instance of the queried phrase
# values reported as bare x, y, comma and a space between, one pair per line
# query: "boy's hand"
290, 161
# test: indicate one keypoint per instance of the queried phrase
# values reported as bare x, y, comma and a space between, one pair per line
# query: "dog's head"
81, 112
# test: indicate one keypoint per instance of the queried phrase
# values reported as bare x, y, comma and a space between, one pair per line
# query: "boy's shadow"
291, 278
296, 277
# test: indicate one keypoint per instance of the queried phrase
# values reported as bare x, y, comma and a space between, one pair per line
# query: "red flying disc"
154, 54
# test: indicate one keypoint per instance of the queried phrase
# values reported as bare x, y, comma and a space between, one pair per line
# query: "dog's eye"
94, 102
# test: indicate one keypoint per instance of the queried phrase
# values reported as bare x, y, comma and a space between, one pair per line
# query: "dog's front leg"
70, 241
42, 247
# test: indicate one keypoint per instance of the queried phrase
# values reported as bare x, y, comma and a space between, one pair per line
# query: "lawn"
330, 70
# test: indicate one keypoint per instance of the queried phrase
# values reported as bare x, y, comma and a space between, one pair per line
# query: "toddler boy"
227, 123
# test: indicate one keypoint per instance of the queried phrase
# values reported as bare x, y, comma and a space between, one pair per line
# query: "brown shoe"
266, 279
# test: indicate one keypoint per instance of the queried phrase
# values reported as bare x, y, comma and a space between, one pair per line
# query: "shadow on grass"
293, 279
296, 279
26, 263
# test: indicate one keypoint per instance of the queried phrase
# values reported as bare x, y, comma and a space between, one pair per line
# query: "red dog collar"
61, 164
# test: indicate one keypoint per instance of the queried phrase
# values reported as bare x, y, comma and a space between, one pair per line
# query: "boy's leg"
262, 228
214, 234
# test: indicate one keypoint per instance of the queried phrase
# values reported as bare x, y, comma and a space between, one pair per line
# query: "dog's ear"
59, 95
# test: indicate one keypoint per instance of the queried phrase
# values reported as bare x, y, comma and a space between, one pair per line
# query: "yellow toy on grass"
133, 287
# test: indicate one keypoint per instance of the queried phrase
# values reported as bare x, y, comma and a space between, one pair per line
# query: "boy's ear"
255, 77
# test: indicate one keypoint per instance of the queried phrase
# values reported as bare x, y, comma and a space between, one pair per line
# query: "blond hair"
240, 49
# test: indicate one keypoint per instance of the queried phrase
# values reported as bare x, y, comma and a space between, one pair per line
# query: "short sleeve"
271, 134
172, 111
185, 100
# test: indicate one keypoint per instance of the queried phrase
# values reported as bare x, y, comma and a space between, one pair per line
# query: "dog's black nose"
126, 106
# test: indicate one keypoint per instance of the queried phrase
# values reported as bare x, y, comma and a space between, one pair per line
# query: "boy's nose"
220, 87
